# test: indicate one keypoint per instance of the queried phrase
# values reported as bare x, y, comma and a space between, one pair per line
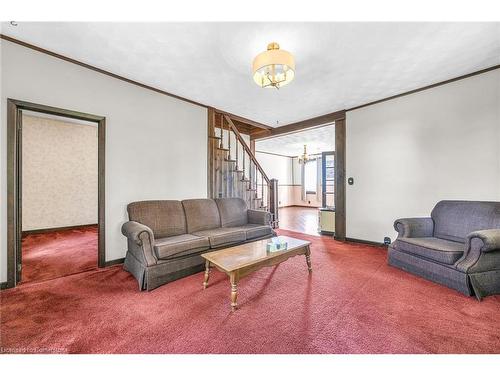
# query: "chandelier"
304, 158
274, 67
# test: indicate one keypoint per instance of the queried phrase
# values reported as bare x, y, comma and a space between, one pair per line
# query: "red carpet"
59, 253
353, 303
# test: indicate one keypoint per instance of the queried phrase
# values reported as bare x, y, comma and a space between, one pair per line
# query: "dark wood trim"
14, 212
101, 191
12, 192
340, 180
247, 121
426, 87
96, 69
302, 206
113, 262
315, 122
128, 80
4, 285
49, 230
210, 152
366, 242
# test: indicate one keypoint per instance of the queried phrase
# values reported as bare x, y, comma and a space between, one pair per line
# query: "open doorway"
303, 163
55, 192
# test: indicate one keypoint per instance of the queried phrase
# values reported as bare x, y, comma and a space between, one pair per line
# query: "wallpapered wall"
59, 170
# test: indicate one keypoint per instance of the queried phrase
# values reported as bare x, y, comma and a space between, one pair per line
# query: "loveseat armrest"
141, 242
490, 239
414, 227
258, 217
133, 231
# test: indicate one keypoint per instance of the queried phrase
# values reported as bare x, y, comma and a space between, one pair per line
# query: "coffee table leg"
234, 291
207, 274
308, 259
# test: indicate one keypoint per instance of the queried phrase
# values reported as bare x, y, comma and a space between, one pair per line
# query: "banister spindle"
262, 189
229, 141
236, 141
221, 132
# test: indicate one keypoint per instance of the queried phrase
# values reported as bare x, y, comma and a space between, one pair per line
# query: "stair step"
238, 171
213, 137
222, 149
230, 160
245, 180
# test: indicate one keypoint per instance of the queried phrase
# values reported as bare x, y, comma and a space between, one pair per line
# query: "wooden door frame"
340, 179
14, 183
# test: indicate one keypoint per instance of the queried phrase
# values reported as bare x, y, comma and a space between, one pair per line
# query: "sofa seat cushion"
255, 230
184, 244
436, 249
223, 236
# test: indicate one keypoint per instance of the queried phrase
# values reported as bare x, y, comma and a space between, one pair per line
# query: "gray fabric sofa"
458, 246
166, 238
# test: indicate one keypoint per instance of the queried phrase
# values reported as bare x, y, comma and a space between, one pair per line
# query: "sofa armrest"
141, 242
258, 217
414, 227
481, 252
489, 239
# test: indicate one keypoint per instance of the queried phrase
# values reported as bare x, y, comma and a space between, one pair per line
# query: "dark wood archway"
14, 182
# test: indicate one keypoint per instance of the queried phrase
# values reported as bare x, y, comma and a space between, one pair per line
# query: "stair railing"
254, 169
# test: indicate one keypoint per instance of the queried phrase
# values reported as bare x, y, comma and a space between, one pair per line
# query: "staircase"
233, 170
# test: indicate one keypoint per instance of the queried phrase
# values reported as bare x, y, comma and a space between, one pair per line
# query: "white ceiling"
317, 140
338, 65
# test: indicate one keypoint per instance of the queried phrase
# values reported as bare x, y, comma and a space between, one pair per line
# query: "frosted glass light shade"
274, 67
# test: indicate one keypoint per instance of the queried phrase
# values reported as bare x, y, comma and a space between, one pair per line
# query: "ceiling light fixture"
274, 67
304, 158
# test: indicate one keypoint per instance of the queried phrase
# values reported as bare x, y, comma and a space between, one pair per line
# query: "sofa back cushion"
454, 220
165, 218
233, 211
201, 214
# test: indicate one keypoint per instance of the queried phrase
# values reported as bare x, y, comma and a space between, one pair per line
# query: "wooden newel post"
273, 202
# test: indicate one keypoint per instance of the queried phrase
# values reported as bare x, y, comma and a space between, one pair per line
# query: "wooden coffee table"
241, 260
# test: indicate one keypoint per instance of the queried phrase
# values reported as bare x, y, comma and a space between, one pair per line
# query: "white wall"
156, 146
276, 166
59, 173
408, 153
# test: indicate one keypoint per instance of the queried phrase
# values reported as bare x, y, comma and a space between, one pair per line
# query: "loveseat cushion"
164, 217
255, 230
233, 211
436, 249
454, 220
201, 214
172, 247
223, 236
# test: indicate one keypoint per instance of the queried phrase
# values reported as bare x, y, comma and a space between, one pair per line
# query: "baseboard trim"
297, 205
366, 242
48, 230
113, 262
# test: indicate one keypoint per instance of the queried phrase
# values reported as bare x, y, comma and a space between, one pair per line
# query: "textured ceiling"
317, 140
338, 65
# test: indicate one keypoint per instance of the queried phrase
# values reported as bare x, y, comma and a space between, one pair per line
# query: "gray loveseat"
458, 246
166, 238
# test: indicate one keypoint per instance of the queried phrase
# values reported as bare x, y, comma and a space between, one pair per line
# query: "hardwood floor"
299, 219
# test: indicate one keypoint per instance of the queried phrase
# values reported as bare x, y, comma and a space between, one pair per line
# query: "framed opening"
14, 180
